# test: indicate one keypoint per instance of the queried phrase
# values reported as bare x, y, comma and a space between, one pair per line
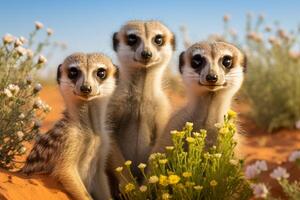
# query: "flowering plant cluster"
261, 191
272, 86
190, 170
21, 110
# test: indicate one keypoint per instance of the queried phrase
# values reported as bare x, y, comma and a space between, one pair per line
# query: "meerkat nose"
146, 54
86, 89
212, 78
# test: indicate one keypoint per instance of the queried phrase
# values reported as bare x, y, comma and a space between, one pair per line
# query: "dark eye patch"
132, 39
73, 73
198, 61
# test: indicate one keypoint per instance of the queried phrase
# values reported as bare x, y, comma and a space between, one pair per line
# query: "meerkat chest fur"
137, 121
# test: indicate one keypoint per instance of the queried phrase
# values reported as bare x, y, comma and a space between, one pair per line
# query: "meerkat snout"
86, 76
212, 66
144, 43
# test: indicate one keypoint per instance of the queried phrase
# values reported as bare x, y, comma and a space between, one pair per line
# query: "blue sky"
88, 25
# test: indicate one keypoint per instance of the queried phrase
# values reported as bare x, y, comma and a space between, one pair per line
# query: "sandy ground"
274, 148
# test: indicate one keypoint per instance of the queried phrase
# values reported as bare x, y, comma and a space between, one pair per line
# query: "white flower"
233, 161
22, 39
18, 42
29, 53
13, 88
260, 190
261, 165
295, 155
38, 104
21, 51
8, 38
279, 173
42, 59
251, 172
143, 188
37, 88
49, 31
7, 92
38, 25
20, 134
21, 116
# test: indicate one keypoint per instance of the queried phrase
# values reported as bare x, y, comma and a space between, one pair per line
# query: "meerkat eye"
101, 73
73, 73
159, 40
132, 39
227, 61
198, 61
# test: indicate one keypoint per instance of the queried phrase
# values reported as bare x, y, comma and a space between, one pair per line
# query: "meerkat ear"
181, 61
115, 41
173, 42
245, 63
58, 74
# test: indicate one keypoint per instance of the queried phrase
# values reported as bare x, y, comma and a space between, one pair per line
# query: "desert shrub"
21, 110
190, 171
272, 84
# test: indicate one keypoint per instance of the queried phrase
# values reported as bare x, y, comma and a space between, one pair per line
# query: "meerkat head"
212, 66
144, 44
86, 76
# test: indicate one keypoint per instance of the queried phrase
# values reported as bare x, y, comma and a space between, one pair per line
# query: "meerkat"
75, 150
212, 72
139, 108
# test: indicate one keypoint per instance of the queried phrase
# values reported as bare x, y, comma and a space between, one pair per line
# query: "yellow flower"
173, 179
129, 187
166, 196
224, 130
174, 132
119, 169
152, 156
198, 187
231, 114
143, 188
186, 174
233, 162
153, 179
128, 163
213, 183
190, 139
180, 186
189, 184
142, 166
170, 148
163, 180
163, 161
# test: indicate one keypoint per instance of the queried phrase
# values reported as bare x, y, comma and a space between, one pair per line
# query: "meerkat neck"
210, 108
145, 80
89, 114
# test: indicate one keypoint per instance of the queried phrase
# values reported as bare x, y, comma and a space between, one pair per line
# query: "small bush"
272, 83
21, 110
188, 171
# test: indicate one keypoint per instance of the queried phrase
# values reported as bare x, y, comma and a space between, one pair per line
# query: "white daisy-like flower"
42, 59
13, 88
7, 92
251, 172
21, 51
261, 165
260, 190
49, 31
280, 173
295, 155
38, 25
8, 38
